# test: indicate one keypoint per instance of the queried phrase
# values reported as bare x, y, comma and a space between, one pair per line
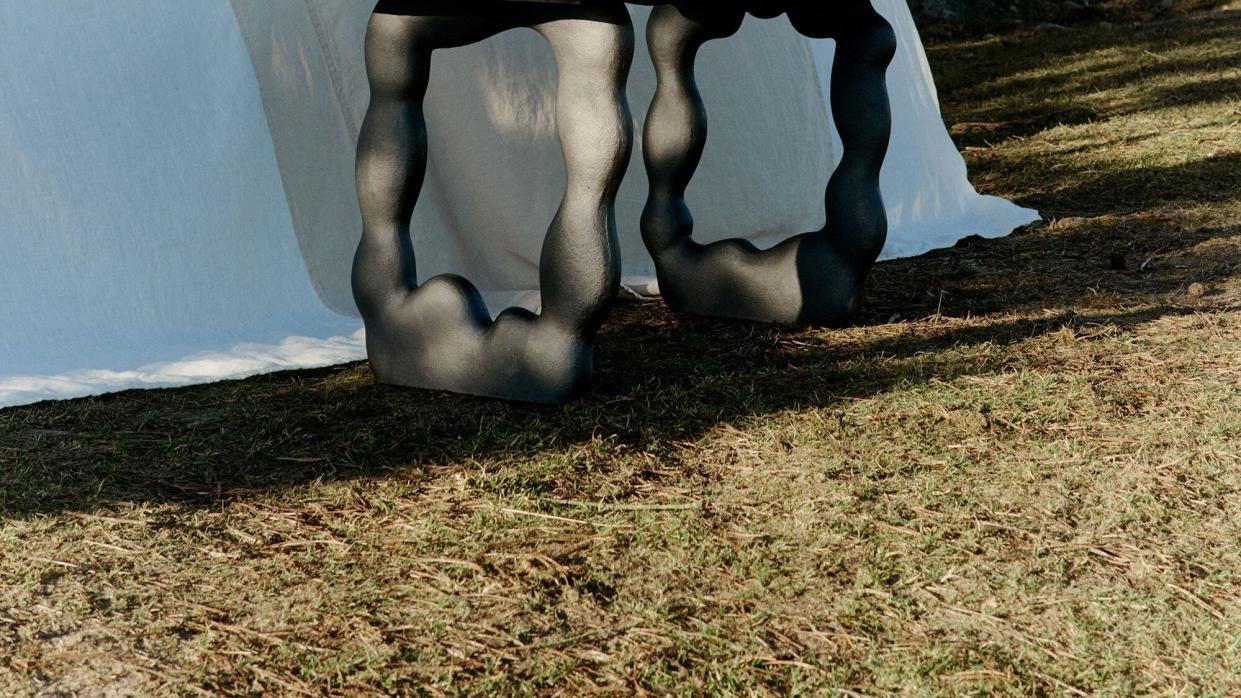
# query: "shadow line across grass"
660, 384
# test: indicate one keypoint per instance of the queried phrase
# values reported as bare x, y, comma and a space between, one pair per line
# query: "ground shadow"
661, 380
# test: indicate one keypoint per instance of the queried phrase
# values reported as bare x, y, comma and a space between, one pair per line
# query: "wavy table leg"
816, 278
440, 335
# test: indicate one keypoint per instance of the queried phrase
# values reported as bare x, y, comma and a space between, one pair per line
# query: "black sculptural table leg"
440, 335
817, 278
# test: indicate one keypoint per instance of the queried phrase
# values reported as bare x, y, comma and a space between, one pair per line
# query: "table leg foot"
817, 278
440, 335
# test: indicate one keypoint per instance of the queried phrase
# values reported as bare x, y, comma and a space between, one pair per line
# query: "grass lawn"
1020, 475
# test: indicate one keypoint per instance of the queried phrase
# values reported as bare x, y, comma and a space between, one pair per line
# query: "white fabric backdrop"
176, 195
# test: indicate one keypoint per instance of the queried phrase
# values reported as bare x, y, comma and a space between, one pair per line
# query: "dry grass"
974, 16
1021, 476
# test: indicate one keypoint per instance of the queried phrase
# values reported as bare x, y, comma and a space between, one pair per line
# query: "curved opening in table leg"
440, 335
815, 278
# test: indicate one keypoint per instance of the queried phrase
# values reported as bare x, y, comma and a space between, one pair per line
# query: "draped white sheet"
176, 194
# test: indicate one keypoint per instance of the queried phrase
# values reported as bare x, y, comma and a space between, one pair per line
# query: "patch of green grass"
1019, 476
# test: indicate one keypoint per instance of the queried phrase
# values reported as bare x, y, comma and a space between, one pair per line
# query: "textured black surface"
816, 278
441, 335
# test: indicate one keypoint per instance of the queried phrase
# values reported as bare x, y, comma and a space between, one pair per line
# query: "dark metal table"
440, 334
